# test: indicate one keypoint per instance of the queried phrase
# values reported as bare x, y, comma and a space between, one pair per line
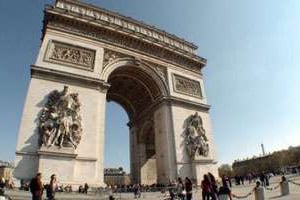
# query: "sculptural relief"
110, 56
195, 138
67, 54
186, 86
60, 120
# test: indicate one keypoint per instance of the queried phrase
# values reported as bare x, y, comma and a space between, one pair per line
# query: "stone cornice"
65, 77
187, 103
126, 23
169, 101
199, 161
85, 26
57, 154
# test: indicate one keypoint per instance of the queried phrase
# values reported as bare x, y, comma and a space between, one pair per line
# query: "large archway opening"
116, 157
137, 91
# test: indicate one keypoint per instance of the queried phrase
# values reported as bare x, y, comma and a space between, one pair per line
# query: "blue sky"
251, 78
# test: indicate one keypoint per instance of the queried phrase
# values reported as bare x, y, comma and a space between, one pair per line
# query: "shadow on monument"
28, 153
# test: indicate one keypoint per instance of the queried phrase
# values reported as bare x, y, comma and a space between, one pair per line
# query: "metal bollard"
284, 188
259, 193
223, 197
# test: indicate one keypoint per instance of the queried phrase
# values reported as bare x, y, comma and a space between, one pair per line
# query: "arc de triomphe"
88, 56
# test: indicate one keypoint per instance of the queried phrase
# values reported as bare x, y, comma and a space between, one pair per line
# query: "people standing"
86, 188
188, 188
2, 182
180, 188
206, 188
262, 179
36, 187
52, 187
214, 186
224, 191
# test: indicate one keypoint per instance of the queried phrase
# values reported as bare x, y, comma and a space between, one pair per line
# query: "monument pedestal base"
69, 168
59, 161
201, 167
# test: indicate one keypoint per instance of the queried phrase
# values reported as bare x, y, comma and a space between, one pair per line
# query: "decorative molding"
56, 21
202, 161
125, 23
69, 78
186, 86
70, 55
26, 153
161, 70
110, 56
89, 159
57, 154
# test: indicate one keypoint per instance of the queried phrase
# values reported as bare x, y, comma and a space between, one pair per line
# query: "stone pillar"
147, 154
164, 144
134, 157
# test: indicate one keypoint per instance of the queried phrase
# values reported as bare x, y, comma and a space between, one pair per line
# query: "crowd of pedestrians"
210, 189
37, 187
182, 189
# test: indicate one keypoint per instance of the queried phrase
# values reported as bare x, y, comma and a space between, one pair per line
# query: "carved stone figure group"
195, 138
59, 121
72, 55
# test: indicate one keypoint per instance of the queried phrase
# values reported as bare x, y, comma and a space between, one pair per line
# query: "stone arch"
127, 61
136, 77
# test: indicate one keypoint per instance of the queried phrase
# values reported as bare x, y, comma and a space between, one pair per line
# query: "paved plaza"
241, 190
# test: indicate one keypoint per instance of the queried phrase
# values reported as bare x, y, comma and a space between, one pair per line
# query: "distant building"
116, 176
276, 162
242, 167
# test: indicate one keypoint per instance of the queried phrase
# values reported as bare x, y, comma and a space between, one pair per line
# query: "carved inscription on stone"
67, 54
186, 86
60, 120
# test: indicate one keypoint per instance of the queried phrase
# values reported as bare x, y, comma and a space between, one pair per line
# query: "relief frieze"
186, 86
125, 41
67, 54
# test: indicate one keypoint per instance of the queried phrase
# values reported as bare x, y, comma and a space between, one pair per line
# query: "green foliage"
225, 170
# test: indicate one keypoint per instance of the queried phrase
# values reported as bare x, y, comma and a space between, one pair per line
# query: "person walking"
51, 189
188, 188
36, 187
224, 191
137, 191
206, 188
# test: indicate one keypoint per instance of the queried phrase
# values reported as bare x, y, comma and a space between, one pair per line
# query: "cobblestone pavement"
240, 190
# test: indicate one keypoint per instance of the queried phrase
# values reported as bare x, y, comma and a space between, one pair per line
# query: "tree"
225, 170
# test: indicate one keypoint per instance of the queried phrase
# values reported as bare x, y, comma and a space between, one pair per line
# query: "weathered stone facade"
154, 75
